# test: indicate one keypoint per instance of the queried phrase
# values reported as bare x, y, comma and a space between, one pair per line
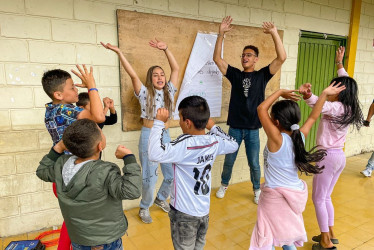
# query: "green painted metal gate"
316, 65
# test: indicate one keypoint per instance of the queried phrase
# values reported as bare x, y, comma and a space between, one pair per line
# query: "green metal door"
316, 65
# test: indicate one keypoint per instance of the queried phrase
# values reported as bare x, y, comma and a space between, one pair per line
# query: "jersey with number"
192, 157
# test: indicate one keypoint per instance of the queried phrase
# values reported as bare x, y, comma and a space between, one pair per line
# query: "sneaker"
163, 205
257, 195
145, 216
367, 172
221, 192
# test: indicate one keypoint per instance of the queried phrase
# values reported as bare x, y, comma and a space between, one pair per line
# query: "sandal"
317, 246
318, 239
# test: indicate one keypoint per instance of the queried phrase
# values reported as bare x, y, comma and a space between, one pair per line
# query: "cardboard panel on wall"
135, 30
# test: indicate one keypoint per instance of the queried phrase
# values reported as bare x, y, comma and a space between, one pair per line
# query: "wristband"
337, 63
166, 48
93, 89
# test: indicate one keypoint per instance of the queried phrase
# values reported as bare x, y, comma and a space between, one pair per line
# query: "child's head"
84, 138
59, 86
349, 98
193, 113
83, 100
156, 80
284, 114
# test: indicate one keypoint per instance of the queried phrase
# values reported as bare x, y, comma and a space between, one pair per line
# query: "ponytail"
303, 158
288, 114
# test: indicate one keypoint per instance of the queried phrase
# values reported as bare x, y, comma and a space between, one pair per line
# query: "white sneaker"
257, 195
367, 172
221, 192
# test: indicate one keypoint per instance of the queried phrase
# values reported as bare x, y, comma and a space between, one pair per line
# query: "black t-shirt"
247, 92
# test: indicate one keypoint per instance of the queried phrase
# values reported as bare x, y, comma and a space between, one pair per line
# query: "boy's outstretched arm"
159, 151
172, 62
96, 107
276, 64
227, 144
46, 171
370, 114
224, 27
136, 83
129, 185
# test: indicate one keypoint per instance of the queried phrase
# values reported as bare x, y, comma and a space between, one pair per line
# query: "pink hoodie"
279, 218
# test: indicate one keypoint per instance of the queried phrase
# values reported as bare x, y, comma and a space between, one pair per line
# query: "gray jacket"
91, 203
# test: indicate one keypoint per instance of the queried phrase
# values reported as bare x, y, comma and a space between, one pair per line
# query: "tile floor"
232, 218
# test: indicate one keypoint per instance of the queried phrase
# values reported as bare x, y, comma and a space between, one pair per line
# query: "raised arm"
223, 28
276, 64
339, 61
96, 107
172, 62
272, 132
333, 89
136, 83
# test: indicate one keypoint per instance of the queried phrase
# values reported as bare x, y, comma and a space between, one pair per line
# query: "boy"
61, 112
247, 92
84, 103
90, 191
192, 155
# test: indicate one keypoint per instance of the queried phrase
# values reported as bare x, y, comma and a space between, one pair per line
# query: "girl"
154, 94
339, 112
284, 195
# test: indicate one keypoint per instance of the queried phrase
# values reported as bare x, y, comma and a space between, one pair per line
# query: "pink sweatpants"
323, 185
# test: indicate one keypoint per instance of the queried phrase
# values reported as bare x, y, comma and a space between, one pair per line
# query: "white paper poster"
202, 76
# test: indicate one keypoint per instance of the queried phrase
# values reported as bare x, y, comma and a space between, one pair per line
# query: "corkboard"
135, 30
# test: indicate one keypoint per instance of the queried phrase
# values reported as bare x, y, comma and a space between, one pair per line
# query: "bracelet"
166, 48
221, 35
337, 63
93, 89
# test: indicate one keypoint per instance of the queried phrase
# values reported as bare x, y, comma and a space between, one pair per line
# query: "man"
248, 91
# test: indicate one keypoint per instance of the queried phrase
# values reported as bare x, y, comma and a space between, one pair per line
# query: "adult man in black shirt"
247, 92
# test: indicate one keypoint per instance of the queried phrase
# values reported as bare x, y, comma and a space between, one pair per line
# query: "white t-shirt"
158, 100
280, 168
192, 157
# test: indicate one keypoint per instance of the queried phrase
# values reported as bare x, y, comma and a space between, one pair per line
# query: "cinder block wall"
36, 35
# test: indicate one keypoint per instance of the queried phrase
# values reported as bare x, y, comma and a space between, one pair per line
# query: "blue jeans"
149, 171
252, 148
115, 245
371, 162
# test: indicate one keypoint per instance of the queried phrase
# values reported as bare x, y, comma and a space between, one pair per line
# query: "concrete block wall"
36, 35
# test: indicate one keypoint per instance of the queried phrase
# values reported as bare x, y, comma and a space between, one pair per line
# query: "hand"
111, 47
88, 80
290, 94
269, 28
158, 44
367, 123
210, 124
59, 147
111, 104
305, 89
225, 25
106, 102
122, 151
334, 89
340, 54
162, 114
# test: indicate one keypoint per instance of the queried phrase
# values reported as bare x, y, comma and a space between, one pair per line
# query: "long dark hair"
352, 108
287, 112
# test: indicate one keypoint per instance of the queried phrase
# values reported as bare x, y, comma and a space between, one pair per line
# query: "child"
154, 94
339, 112
84, 103
370, 166
192, 155
61, 112
90, 191
284, 195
